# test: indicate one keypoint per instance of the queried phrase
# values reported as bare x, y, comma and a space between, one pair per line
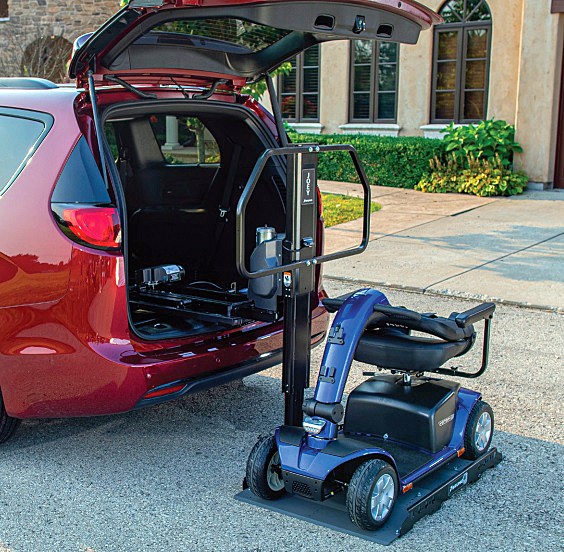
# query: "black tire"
363, 488
264, 474
479, 430
8, 425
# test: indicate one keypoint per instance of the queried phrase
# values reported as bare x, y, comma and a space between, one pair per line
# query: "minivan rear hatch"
236, 41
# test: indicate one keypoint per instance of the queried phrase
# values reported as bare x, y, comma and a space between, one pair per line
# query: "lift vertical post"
299, 258
298, 283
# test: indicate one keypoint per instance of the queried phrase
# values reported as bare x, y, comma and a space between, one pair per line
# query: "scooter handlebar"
398, 313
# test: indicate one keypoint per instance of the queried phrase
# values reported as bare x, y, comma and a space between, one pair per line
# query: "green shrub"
487, 140
480, 177
478, 160
387, 161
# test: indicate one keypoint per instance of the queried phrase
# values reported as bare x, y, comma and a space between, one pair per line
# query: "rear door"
238, 41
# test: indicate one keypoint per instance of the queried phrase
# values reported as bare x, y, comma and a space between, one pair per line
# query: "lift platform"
425, 498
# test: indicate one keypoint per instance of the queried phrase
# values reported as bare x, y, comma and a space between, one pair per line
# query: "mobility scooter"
397, 428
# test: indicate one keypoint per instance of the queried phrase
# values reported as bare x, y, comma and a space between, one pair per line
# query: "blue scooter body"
316, 457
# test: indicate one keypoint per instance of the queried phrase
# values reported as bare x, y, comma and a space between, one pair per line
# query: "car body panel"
32, 270
66, 347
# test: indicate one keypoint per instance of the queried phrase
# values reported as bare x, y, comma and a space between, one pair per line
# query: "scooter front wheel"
371, 494
264, 472
479, 430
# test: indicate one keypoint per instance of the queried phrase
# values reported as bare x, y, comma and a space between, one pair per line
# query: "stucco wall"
334, 85
526, 60
416, 69
415, 73
507, 19
414, 86
539, 88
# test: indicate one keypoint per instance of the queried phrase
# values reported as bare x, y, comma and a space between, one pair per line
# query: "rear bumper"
111, 376
171, 391
179, 388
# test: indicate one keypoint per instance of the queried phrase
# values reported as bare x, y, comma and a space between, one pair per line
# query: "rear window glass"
81, 181
184, 140
18, 138
246, 34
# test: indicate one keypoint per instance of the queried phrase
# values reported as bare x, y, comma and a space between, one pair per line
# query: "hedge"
397, 162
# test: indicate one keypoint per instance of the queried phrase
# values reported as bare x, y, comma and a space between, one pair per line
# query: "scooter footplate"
425, 498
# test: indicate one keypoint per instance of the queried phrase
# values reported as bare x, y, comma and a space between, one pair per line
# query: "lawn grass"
340, 208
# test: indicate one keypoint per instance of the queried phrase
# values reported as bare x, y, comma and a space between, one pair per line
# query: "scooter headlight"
313, 425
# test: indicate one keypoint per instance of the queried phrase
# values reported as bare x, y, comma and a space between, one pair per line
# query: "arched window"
461, 62
47, 57
4, 9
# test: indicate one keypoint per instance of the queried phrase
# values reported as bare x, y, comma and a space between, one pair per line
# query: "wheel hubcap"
275, 482
483, 431
382, 498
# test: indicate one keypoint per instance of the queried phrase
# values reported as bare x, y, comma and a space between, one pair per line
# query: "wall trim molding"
374, 129
307, 128
435, 130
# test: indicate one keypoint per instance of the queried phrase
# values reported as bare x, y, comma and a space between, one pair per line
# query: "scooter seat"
396, 350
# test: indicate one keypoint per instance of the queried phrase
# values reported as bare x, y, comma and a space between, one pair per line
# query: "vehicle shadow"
235, 404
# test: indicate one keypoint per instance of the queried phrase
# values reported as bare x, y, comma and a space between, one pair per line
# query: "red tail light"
97, 226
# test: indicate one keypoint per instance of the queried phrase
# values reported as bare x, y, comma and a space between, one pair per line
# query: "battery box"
420, 414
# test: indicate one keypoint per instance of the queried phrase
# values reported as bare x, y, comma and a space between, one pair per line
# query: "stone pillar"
171, 133
542, 45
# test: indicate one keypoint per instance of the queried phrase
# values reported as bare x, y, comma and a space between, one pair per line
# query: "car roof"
55, 101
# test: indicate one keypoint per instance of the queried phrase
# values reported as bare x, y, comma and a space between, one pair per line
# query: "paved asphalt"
164, 479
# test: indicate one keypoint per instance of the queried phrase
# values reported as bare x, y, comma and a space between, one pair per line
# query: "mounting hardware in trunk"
155, 275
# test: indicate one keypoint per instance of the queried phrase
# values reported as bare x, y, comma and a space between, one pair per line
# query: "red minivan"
118, 280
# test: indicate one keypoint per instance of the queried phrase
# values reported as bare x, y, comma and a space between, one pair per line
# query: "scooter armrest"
466, 318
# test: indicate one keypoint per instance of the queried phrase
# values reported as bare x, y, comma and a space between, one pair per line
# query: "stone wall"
30, 19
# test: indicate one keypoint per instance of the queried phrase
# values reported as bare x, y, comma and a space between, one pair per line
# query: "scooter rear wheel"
371, 494
264, 473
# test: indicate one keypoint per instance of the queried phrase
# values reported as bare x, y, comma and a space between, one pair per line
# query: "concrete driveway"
507, 249
164, 479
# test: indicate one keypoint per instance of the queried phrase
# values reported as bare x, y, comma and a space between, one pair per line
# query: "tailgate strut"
98, 127
282, 138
